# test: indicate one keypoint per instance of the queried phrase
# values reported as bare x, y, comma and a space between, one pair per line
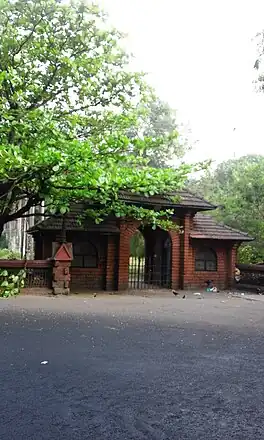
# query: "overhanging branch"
30, 203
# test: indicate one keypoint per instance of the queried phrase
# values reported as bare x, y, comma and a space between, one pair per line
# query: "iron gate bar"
149, 273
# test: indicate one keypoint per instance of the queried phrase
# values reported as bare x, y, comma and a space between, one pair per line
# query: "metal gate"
149, 273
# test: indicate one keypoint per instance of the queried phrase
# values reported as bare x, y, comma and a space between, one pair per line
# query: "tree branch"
22, 44
36, 104
30, 203
84, 107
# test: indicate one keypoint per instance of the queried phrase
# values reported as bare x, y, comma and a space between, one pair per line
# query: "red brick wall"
111, 263
90, 278
221, 279
231, 262
175, 259
187, 263
113, 269
87, 278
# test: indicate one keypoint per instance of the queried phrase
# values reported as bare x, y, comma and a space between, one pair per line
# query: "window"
84, 255
205, 260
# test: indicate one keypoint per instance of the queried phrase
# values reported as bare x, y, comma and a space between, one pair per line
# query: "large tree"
156, 119
67, 98
237, 187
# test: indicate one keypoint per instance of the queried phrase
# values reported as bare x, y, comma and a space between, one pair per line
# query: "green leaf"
73, 114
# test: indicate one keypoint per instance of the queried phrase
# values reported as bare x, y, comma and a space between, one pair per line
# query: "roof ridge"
168, 196
200, 197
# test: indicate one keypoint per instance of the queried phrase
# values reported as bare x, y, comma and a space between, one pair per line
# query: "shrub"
7, 254
11, 283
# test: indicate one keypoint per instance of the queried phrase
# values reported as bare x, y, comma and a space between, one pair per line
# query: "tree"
156, 119
237, 187
67, 98
259, 61
137, 245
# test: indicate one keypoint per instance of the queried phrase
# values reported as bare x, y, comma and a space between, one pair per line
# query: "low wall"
251, 277
38, 273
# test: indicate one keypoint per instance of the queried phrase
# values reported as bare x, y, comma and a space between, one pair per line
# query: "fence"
251, 277
38, 272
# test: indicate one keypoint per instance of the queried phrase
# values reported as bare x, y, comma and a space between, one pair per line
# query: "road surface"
131, 368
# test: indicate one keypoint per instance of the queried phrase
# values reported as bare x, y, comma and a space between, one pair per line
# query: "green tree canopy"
236, 186
67, 100
156, 119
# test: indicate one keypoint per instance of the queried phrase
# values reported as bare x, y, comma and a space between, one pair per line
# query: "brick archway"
153, 269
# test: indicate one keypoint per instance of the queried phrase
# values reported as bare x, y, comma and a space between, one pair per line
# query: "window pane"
77, 261
90, 261
210, 265
205, 255
199, 265
88, 249
84, 248
205, 260
76, 248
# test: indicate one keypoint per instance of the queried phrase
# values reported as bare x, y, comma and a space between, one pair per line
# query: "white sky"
200, 57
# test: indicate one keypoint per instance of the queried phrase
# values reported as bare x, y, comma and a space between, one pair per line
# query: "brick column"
61, 270
111, 263
127, 229
187, 264
175, 259
231, 264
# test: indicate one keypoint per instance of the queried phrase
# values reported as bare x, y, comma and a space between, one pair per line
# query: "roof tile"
186, 199
72, 224
206, 227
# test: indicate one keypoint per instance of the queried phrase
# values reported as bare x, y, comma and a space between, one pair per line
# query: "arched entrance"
150, 259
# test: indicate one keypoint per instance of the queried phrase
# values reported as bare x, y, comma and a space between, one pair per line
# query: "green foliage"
156, 119
249, 253
237, 186
7, 254
67, 100
11, 283
137, 245
3, 242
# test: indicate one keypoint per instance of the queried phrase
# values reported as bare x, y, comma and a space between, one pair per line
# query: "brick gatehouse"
202, 250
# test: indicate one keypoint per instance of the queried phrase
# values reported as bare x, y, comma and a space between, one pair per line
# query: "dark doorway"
150, 269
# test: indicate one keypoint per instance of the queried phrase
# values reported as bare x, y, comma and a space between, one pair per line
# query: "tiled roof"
72, 224
206, 227
185, 199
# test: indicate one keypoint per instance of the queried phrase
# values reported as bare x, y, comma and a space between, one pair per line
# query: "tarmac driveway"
131, 368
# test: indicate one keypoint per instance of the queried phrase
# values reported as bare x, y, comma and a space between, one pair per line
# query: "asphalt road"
131, 369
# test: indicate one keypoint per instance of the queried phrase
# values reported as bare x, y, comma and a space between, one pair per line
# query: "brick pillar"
111, 258
175, 259
187, 264
127, 229
61, 269
231, 264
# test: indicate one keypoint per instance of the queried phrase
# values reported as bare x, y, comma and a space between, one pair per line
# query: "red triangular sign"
63, 254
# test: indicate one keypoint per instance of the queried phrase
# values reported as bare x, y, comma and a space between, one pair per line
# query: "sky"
199, 55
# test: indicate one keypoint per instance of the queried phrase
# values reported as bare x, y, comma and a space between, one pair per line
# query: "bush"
7, 254
250, 254
11, 283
